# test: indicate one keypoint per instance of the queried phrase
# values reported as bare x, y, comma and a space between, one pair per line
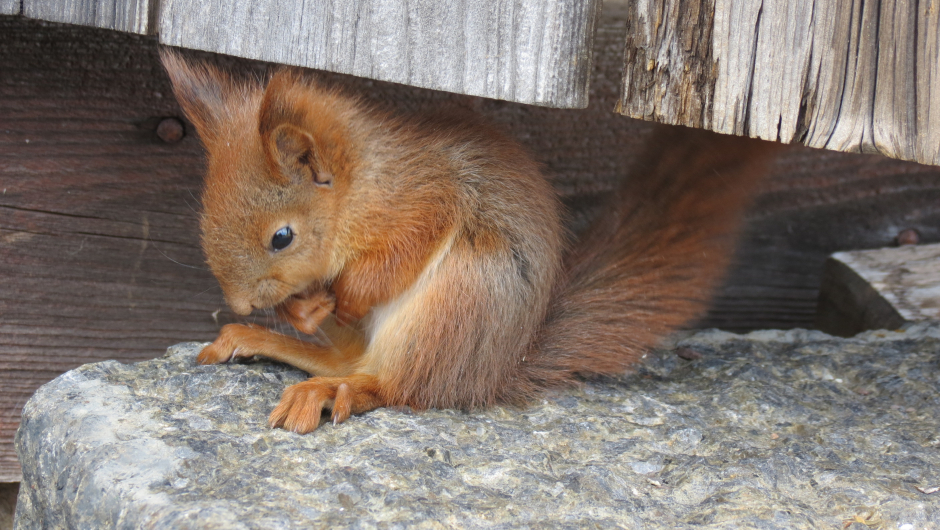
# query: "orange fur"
430, 251
238, 341
306, 311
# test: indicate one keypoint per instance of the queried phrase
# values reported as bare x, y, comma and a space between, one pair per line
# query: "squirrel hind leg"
302, 405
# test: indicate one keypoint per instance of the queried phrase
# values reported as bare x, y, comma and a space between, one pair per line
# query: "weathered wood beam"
134, 16
846, 75
879, 289
528, 51
10, 7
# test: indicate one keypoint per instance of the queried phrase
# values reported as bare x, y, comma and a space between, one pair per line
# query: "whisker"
270, 317
204, 291
322, 337
346, 317
176, 262
195, 199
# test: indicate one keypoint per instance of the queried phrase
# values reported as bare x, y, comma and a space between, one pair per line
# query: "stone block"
772, 429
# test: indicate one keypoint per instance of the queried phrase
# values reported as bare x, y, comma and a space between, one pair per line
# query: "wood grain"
816, 203
529, 51
879, 289
134, 16
99, 254
10, 7
8, 493
850, 76
907, 277
665, 80
97, 218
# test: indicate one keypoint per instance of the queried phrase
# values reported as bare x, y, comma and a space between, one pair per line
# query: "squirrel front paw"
306, 311
302, 404
230, 344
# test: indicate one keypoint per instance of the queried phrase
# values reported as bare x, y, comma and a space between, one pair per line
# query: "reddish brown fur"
437, 246
651, 263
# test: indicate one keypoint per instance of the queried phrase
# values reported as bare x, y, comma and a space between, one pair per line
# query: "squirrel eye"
282, 238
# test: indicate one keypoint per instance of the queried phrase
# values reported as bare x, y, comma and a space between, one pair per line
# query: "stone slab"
773, 429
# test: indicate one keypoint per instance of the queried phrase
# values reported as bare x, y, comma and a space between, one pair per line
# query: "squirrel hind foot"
302, 404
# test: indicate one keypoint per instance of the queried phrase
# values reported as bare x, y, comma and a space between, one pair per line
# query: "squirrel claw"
302, 404
226, 347
342, 404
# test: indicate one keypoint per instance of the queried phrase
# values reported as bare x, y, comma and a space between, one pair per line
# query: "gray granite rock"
767, 430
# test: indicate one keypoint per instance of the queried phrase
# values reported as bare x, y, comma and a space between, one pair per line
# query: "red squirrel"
431, 252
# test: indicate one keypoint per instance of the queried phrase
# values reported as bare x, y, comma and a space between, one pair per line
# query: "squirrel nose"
240, 306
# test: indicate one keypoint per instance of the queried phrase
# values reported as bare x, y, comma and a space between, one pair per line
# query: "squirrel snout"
240, 306
266, 293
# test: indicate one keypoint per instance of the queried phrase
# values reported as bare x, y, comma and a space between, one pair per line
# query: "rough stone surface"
768, 430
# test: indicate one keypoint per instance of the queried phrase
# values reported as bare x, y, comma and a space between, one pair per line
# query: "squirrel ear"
290, 148
201, 90
294, 154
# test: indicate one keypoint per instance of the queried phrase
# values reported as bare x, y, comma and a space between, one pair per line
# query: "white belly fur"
385, 324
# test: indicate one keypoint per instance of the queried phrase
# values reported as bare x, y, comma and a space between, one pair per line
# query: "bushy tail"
653, 259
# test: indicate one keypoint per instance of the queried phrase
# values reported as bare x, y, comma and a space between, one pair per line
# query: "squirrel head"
281, 162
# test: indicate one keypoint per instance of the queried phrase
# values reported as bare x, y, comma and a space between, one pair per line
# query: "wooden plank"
844, 75
134, 16
817, 203
10, 7
879, 289
663, 81
97, 217
8, 493
528, 51
908, 278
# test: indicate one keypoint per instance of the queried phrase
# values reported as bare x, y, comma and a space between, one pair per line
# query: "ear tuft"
291, 149
202, 91
281, 102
